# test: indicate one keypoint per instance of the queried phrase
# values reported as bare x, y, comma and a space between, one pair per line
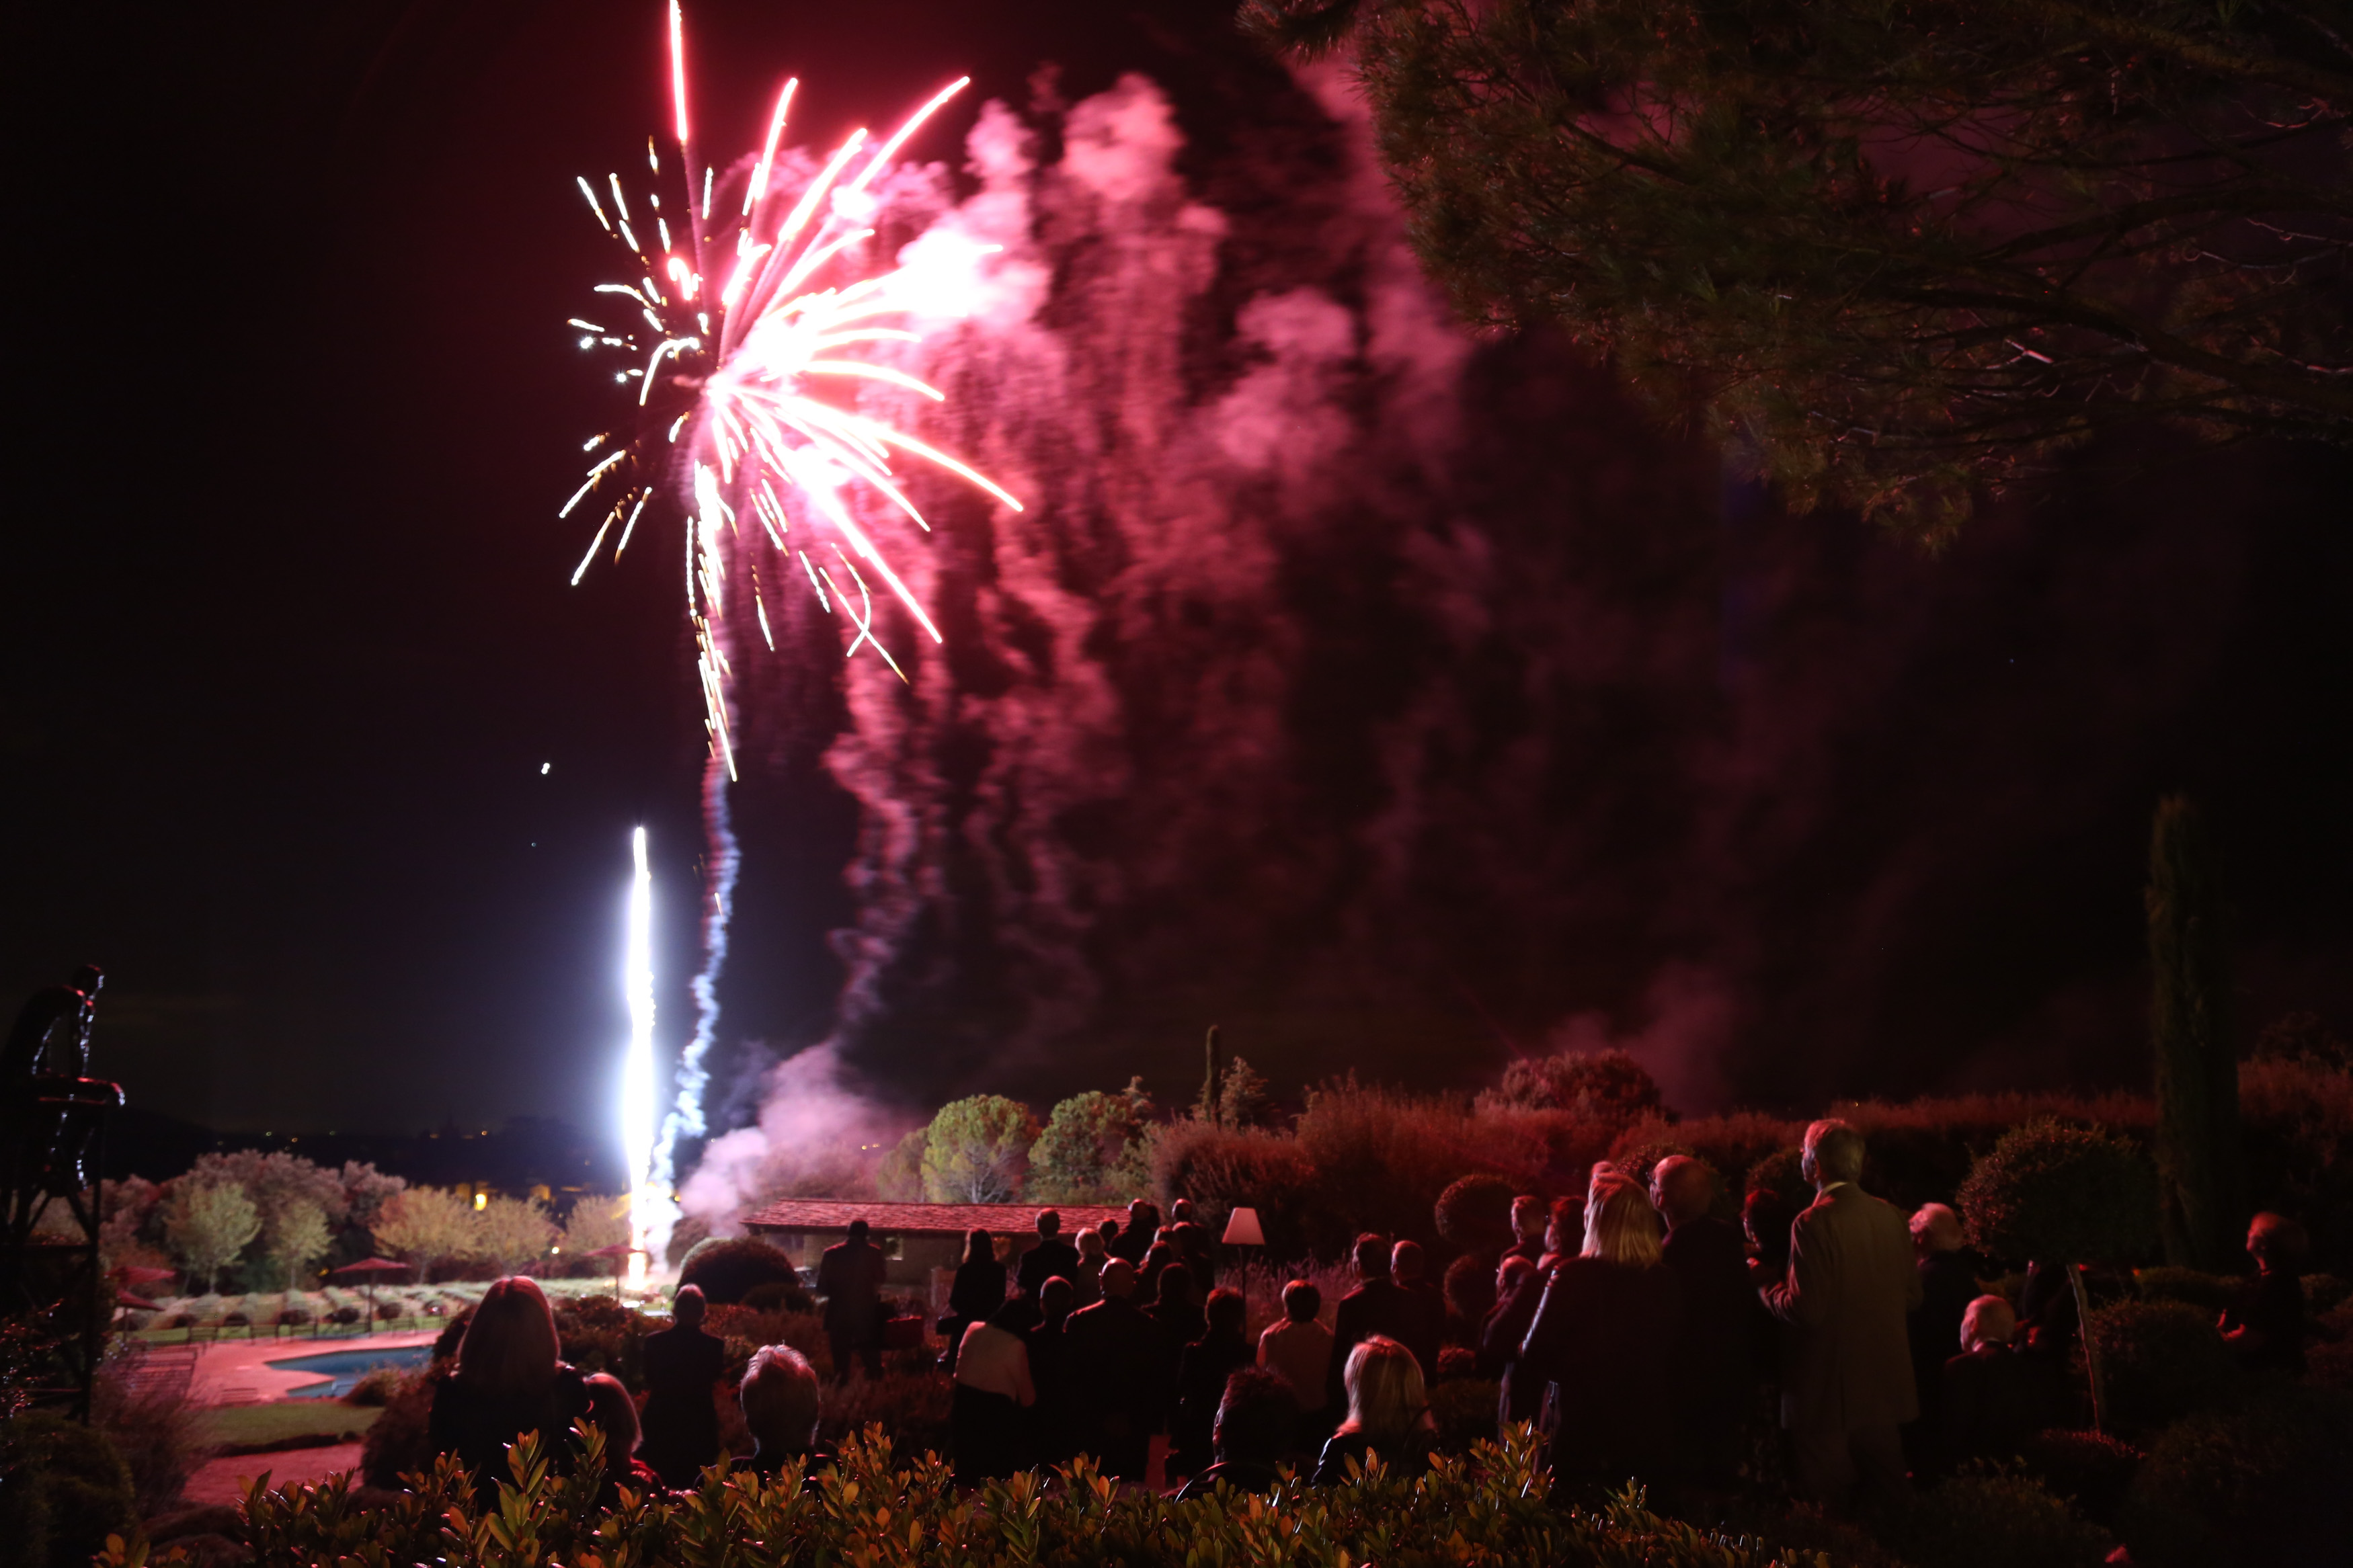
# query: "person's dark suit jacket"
679, 1425
1521, 1398
1421, 1326
1049, 1259
1948, 1283
1375, 1306
849, 1278
1852, 1281
1119, 1366
1710, 1262
1605, 1336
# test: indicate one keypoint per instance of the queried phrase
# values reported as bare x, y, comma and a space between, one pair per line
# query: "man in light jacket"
1847, 1376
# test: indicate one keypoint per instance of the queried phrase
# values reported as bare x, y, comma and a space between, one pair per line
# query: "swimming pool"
342, 1370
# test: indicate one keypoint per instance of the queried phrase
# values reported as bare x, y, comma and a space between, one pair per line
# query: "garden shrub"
1464, 1410
2259, 1484
910, 1405
151, 1424
1782, 1172
1635, 1159
878, 1507
1221, 1168
744, 1330
400, 1440
597, 1333
2162, 1359
2211, 1291
1474, 1214
2090, 1469
2057, 1193
1994, 1516
779, 1295
376, 1386
1377, 1161
67, 1490
726, 1270
2324, 1293
1470, 1288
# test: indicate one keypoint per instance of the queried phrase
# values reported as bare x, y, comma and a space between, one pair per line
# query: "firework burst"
733, 340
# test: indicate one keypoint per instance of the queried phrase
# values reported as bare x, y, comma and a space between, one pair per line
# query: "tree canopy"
977, 1151
1893, 252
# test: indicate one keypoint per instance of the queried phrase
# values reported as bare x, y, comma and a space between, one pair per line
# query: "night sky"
1502, 719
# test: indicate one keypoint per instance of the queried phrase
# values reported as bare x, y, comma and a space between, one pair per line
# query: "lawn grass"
328, 1420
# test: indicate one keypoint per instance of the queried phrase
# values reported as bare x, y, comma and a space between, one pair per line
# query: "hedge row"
872, 1508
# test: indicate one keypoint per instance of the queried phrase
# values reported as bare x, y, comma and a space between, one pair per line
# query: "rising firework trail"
649, 1198
731, 332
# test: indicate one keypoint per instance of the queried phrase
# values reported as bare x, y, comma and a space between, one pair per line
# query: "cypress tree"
1210, 1079
2190, 1022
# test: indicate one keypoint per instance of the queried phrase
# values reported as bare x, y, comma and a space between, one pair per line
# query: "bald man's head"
1119, 1280
1684, 1188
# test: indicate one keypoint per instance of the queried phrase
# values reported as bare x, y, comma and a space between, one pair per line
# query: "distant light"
543, 767
481, 1200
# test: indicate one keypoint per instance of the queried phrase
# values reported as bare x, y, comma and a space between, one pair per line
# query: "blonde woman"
1602, 1344
510, 1380
1389, 1413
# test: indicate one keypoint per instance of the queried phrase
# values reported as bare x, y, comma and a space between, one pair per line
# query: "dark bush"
910, 1405
725, 1270
66, 1490
2325, 1293
1223, 1168
598, 1334
236, 1321
2258, 1485
1636, 1159
1780, 1171
881, 1504
1464, 1411
2211, 1291
1470, 1288
344, 1315
2058, 1193
777, 1296
294, 1317
400, 1442
377, 1386
1988, 1517
2162, 1361
1474, 1214
153, 1424
2088, 1469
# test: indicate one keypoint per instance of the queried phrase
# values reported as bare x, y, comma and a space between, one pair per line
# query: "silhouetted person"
1846, 1386
1198, 1254
779, 1396
1388, 1414
1991, 1399
987, 1427
1051, 1256
1135, 1238
510, 1380
1766, 1217
1715, 1369
1603, 1344
1257, 1420
1948, 1283
849, 1278
1119, 1368
1298, 1349
1053, 1420
1370, 1309
1421, 1309
614, 1413
1086, 1279
1176, 1312
683, 1366
1530, 1217
2046, 1312
2265, 1325
1202, 1373
1521, 1398
1156, 1257
977, 1291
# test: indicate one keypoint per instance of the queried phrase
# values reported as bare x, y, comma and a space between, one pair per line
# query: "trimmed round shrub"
2211, 1291
1609, 1086
1225, 1168
2162, 1361
725, 1270
1470, 1288
2056, 1193
2090, 1469
1997, 1517
1475, 1214
779, 1295
67, 1490
2260, 1484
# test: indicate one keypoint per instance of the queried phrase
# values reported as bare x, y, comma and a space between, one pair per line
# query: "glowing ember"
742, 362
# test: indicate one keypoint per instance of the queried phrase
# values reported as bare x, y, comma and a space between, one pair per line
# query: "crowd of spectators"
1635, 1328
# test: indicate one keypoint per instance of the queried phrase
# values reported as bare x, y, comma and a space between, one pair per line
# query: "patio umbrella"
617, 1252
125, 1299
371, 1266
